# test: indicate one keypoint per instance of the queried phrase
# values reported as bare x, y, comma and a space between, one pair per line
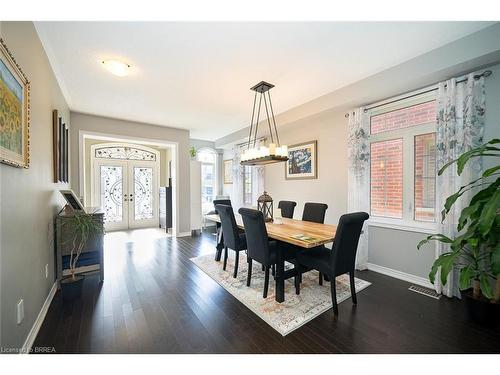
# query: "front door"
127, 192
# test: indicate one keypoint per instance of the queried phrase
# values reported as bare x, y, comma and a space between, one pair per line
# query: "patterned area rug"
284, 317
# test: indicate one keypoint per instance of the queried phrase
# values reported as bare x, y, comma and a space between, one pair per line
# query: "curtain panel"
459, 127
358, 177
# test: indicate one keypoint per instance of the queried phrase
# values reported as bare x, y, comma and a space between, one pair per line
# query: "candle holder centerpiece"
265, 205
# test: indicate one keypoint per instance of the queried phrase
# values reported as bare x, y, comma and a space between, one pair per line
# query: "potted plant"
81, 227
475, 252
192, 152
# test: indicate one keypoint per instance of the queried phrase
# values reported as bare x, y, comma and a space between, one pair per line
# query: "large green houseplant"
80, 226
475, 251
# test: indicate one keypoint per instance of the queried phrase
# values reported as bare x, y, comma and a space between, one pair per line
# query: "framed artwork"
302, 161
228, 171
14, 115
72, 199
60, 148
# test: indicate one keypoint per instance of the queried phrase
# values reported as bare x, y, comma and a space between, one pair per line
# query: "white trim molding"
30, 339
183, 234
401, 275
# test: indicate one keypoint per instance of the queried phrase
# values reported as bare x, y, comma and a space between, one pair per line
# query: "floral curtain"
359, 175
460, 125
237, 189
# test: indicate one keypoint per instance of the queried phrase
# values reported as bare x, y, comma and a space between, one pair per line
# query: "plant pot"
72, 287
481, 310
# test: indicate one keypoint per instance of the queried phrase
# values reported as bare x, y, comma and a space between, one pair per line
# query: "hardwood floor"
155, 300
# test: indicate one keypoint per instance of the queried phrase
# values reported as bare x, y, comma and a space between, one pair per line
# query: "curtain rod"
486, 73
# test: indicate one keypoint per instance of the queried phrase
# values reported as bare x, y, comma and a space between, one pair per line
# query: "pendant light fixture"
274, 152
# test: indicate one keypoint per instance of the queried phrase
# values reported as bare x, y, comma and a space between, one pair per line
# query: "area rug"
284, 317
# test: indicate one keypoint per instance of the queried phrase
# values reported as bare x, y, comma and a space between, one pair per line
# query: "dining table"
304, 234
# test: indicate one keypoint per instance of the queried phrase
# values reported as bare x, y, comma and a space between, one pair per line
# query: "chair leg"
266, 281
263, 268
320, 278
249, 275
225, 258
334, 296
273, 270
297, 279
353, 288
236, 264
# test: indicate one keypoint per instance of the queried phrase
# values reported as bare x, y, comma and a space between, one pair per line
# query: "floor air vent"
424, 291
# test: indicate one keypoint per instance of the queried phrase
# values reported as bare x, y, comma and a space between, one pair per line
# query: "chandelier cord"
274, 120
251, 122
268, 119
257, 122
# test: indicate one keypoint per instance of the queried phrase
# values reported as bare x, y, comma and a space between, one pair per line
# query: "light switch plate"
20, 311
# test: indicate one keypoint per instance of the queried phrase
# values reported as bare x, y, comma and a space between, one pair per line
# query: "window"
247, 185
208, 160
403, 161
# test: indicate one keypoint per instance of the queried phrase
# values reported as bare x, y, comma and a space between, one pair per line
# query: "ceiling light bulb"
116, 67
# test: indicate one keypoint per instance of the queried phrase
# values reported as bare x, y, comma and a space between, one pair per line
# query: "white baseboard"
401, 275
28, 343
184, 234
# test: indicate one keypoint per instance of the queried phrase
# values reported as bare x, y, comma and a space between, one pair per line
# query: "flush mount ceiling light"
116, 67
274, 152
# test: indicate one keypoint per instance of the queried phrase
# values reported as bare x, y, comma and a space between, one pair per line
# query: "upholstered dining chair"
314, 212
259, 248
232, 238
338, 261
287, 208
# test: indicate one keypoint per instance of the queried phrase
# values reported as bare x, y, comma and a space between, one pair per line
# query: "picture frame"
228, 171
15, 116
72, 199
60, 145
302, 163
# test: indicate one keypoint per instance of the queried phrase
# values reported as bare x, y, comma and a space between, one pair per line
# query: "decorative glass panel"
112, 193
386, 170
207, 187
122, 152
143, 193
425, 177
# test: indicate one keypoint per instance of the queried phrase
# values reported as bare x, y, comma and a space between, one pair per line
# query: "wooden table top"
320, 233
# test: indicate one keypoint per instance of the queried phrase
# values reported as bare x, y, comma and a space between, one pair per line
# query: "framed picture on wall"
228, 171
302, 161
60, 148
14, 119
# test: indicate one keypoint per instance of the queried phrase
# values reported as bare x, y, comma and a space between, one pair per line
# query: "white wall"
29, 200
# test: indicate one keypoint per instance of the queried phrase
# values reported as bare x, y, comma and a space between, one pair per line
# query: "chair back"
345, 246
256, 235
314, 212
287, 208
229, 227
225, 202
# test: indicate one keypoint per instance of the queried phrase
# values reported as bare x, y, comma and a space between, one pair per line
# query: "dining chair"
314, 212
259, 248
287, 208
232, 238
338, 261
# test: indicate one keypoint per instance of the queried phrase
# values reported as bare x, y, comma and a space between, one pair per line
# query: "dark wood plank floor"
155, 300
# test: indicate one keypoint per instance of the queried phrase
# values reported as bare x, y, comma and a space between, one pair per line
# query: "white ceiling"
197, 76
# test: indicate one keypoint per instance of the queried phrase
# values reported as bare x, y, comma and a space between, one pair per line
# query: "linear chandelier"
274, 152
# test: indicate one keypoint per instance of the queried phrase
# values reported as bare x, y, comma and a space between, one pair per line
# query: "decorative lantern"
265, 205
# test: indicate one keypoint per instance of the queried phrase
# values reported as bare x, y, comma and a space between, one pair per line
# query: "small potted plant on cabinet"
81, 226
475, 251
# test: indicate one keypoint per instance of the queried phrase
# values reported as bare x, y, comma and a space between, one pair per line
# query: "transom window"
403, 160
123, 152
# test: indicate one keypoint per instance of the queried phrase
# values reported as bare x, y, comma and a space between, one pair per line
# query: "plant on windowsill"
81, 227
475, 252
192, 152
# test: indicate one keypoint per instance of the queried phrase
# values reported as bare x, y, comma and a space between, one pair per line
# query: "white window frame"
407, 222
215, 166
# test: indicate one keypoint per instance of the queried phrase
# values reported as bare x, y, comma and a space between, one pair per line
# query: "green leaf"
490, 171
489, 213
484, 282
434, 237
447, 266
465, 214
466, 274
